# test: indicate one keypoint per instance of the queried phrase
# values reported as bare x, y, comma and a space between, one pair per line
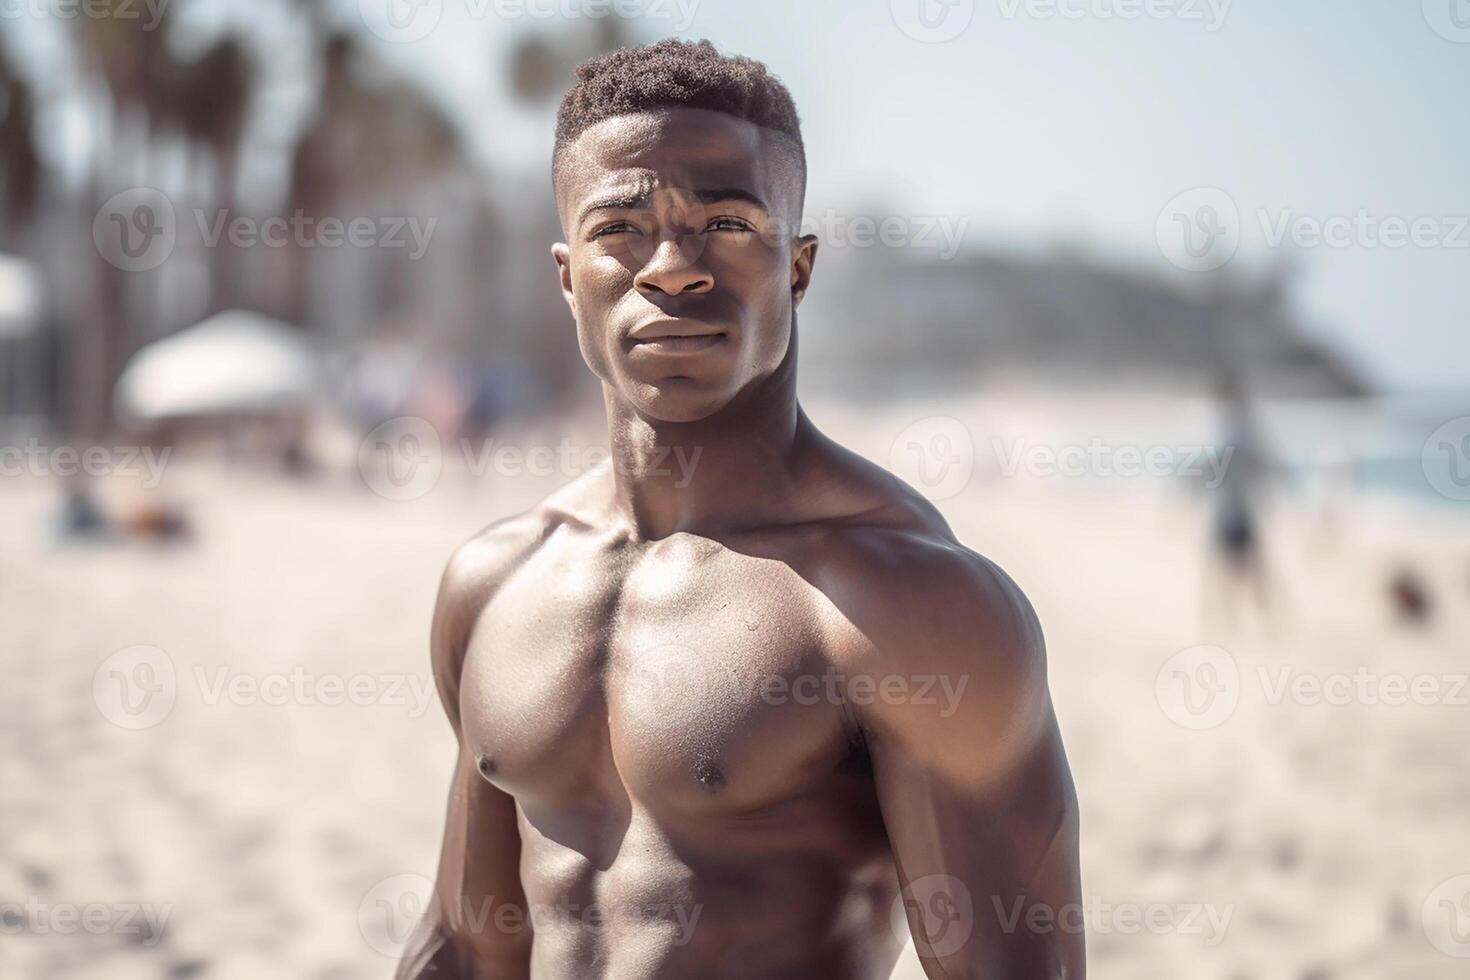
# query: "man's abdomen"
805, 893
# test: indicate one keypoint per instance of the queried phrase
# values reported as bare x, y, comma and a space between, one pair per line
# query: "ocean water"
1412, 448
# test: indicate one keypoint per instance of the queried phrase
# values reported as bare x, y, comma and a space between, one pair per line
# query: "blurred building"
884, 320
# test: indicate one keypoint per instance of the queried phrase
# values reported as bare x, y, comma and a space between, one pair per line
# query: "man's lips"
679, 345
674, 336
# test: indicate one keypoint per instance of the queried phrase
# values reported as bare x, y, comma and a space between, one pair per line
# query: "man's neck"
729, 471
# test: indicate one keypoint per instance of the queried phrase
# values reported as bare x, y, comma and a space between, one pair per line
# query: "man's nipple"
709, 776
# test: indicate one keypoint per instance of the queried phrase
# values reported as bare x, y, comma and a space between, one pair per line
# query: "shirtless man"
727, 705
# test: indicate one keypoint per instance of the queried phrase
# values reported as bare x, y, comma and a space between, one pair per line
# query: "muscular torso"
687, 806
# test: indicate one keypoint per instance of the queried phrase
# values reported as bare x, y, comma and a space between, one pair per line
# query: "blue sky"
1044, 122
1078, 121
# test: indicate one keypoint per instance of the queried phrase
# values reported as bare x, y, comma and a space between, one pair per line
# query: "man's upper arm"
970, 772
476, 925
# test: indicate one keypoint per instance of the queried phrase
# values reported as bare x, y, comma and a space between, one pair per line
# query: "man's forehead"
692, 149
696, 134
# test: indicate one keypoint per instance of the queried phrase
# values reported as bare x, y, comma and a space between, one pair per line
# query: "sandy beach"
273, 811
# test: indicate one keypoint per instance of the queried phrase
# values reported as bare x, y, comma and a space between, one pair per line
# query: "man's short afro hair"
674, 74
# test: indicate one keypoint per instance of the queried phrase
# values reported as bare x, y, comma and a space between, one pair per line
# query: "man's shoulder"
908, 590
483, 563
924, 585
887, 546
942, 640
908, 599
477, 570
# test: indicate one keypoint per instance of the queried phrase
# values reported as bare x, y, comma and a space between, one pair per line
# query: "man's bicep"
989, 868
477, 924
973, 781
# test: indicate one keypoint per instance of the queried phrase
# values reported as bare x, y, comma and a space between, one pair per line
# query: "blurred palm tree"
20, 167
206, 101
369, 142
119, 53
153, 95
542, 66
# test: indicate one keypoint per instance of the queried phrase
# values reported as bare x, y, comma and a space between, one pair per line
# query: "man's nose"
675, 268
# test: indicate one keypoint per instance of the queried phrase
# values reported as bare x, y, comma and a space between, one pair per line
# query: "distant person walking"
1237, 562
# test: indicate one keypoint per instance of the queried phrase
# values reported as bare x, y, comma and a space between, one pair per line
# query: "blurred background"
1164, 304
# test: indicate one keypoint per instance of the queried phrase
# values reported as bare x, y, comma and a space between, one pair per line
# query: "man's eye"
616, 228
729, 224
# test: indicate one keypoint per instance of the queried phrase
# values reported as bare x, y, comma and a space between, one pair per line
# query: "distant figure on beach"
1238, 569
737, 703
157, 522
1409, 596
79, 518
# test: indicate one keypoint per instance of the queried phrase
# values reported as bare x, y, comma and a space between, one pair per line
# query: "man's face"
681, 264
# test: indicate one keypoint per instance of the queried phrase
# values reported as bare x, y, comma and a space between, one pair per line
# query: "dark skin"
678, 756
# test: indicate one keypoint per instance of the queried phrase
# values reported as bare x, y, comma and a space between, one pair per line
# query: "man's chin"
678, 399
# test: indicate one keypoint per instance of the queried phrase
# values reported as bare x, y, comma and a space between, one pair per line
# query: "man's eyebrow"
619, 200
625, 200
716, 195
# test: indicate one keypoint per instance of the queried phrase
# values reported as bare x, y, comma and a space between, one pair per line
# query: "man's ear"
563, 256
803, 257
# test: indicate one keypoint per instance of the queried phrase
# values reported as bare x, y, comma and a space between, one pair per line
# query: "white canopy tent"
235, 362
20, 296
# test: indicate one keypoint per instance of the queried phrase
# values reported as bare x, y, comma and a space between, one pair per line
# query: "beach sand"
235, 838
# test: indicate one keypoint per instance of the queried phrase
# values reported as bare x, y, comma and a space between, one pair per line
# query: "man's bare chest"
691, 676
